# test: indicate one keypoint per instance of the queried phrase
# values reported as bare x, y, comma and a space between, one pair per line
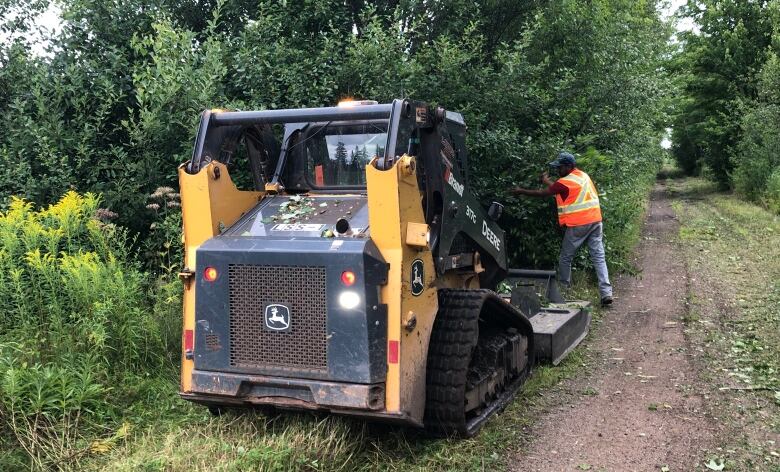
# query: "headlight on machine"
349, 299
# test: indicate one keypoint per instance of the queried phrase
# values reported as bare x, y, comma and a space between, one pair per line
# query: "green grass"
733, 251
139, 423
188, 438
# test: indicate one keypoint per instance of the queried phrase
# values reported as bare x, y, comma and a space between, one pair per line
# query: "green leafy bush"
114, 109
163, 247
720, 71
758, 153
772, 192
74, 330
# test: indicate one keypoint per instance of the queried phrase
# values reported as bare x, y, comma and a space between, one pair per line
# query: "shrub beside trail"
77, 339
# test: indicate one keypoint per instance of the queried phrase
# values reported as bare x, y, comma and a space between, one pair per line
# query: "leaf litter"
293, 210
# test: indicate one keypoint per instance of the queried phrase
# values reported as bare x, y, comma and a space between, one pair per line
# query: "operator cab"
310, 164
327, 155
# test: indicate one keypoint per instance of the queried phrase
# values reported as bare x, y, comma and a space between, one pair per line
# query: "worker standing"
580, 214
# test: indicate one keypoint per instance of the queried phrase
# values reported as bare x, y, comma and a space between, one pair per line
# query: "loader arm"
462, 235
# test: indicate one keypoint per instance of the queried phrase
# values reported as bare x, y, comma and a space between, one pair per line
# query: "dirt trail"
639, 411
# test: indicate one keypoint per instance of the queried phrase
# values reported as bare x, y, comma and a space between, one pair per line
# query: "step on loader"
356, 271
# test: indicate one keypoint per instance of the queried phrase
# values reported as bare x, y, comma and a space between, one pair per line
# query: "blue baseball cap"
564, 159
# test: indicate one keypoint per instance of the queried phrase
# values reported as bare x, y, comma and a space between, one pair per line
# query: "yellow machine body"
399, 231
358, 284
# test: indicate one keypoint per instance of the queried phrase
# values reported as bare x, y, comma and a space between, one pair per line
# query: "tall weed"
75, 327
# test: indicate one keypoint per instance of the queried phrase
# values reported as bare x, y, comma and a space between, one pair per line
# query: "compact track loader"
357, 274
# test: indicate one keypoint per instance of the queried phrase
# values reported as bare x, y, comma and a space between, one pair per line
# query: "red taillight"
348, 278
210, 274
189, 340
392, 352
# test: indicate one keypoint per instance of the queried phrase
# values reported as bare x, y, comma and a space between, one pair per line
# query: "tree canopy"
112, 108
725, 70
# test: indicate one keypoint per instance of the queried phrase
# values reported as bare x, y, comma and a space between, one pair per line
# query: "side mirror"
495, 211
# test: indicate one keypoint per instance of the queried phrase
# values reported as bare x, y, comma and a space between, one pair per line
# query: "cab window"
336, 155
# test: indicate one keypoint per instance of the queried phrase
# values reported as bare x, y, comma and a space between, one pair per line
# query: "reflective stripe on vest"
581, 206
587, 197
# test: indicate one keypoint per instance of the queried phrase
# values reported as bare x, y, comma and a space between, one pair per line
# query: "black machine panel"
274, 308
298, 216
301, 345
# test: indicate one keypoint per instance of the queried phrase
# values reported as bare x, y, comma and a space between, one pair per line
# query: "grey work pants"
572, 240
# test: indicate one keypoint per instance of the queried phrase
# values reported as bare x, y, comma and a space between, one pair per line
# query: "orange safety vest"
581, 206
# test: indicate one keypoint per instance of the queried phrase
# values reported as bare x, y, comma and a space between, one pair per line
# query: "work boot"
606, 301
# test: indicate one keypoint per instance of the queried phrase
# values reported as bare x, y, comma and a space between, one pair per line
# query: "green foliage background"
729, 115
112, 109
89, 345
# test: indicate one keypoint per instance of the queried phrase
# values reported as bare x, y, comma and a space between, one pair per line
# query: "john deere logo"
417, 276
277, 317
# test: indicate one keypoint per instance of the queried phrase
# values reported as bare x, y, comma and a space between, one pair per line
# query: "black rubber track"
454, 336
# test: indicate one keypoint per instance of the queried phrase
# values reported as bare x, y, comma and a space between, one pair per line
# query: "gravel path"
639, 411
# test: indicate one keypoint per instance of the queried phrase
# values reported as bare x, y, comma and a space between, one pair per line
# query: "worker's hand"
545, 179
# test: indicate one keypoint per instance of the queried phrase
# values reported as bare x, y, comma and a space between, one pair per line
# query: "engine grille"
303, 290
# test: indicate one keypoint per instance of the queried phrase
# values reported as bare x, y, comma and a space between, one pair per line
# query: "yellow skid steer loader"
358, 273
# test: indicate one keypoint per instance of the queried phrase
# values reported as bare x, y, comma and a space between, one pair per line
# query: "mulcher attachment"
558, 330
558, 327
